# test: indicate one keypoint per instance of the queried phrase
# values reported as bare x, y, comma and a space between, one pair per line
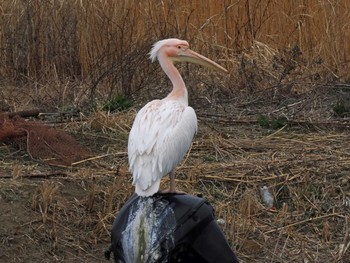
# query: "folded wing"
161, 135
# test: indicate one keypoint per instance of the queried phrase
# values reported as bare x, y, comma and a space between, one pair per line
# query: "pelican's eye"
179, 47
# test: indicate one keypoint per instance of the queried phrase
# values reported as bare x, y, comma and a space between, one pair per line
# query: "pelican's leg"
172, 189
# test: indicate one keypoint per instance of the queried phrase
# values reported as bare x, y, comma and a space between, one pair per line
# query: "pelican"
163, 129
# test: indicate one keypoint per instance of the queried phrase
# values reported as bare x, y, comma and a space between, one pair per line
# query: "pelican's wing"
159, 139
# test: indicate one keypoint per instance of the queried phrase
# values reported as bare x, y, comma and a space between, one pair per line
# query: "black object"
195, 237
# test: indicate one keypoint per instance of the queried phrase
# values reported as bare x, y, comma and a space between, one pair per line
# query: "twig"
289, 106
276, 132
99, 157
302, 222
46, 175
229, 179
215, 118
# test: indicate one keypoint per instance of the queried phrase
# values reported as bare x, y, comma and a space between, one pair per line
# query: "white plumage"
163, 129
159, 139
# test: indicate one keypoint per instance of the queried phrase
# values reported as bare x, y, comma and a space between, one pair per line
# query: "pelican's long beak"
190, 56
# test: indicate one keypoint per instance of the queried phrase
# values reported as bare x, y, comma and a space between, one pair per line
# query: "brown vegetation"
66, 213
280, 119
71, 52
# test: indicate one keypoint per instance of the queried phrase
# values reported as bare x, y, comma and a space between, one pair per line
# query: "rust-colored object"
24, 114
43, 143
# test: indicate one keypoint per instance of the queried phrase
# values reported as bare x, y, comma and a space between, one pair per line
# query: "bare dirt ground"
64, 214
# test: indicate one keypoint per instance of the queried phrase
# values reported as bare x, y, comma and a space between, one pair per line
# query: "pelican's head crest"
165, 42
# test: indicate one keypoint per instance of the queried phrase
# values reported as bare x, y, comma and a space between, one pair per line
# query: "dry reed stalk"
105, 43
43, 198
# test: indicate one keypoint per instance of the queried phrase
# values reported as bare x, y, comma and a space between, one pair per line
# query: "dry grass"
72, 53
305, 166
286, 59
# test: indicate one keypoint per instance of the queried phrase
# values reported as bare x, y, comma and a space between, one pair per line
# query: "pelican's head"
178, 50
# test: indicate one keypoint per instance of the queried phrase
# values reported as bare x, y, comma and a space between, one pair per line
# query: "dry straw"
305, 170
105, 43
71, 51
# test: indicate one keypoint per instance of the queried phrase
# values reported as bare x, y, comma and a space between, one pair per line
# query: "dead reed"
305, 170
71, 52
67, 54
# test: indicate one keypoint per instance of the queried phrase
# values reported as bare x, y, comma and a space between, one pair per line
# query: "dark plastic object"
197, 237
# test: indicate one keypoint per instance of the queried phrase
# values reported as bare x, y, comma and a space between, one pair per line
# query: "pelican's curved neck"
179, 91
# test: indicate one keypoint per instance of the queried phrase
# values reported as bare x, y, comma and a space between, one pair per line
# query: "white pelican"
163, 129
